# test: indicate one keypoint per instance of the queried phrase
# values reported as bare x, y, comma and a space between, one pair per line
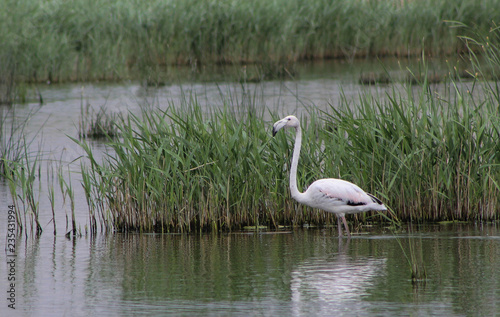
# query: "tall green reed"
21, 168
181, 170
432, 156
484, 55
62, 41
67, 191
51, 193
24, 178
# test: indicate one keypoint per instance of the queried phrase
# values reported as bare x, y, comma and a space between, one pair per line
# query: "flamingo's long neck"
296, 194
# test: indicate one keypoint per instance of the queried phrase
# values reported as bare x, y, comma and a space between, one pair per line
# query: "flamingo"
329, 194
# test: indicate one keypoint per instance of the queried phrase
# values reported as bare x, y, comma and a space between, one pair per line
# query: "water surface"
289, 273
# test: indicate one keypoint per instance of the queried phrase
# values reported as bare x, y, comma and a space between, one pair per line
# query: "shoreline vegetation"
60, 41
429, 157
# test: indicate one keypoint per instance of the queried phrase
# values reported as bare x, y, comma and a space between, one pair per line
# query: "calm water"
299, 272
293, 273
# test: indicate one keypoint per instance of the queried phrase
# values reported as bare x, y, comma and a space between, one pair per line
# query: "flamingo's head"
286, 122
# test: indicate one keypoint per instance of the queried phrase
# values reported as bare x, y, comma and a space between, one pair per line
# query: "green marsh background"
85, 40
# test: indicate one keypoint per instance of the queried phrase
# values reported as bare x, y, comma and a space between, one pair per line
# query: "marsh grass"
20, 167
51, 193
484, 55
25, 183
7, 84
432, 156
59, 41
97, 124
13, 139
179, 171
26, 169
67, 191
429, 156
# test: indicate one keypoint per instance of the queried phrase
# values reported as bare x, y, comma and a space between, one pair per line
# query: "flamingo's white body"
332, 195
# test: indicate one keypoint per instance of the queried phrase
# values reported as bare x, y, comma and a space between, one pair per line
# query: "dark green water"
292, 273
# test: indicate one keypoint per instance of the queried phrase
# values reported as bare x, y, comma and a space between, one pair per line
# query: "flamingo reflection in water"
330, 286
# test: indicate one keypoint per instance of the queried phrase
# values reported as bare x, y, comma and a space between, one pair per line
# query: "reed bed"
181, 171
435, 160
55, 41
430, 157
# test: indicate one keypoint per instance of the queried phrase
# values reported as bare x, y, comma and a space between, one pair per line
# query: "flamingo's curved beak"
278, 125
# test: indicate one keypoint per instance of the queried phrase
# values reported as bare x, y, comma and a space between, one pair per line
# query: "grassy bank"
106, 40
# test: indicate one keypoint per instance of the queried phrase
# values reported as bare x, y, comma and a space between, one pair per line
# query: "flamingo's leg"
346, 226
339, 226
